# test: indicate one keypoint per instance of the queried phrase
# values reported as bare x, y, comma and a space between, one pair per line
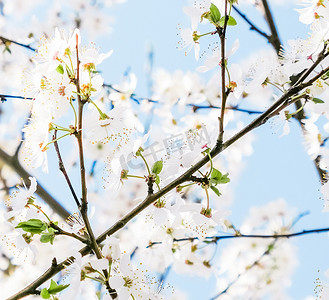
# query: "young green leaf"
47, 237
216, 191
225, 179
214, 13
317, 100
44, 294
218, 178
157, 179
60, 69
55, 288
157, 167
231, 21
215, 176
34, 226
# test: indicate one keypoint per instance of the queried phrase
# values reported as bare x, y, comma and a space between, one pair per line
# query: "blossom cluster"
145, 148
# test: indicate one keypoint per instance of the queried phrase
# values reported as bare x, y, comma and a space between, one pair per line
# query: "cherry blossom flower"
189, 40
19, 199
130, 282
36, 142
116, 125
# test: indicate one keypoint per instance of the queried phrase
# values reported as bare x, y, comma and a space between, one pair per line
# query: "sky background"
279, 167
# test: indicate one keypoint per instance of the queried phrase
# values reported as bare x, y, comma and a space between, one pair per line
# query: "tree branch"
5, 41
184, 177
274, 38
222, 35
14, 164
252, 25
62, 169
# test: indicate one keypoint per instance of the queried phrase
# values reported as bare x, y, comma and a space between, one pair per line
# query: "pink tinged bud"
55, 56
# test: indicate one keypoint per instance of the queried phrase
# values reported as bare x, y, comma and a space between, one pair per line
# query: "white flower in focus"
114, 180
19, 199
59, 49
199, 224
189, 40
314, 10
214, 59
19, 245
116, 125
281, 123
111, 249
91, 58
312, 137
36, 141
196, 12
130, 283
52, 50
74, 270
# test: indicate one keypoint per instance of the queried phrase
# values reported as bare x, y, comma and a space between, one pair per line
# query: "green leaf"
60, 69
157, 167
317, 100
45, 294
47, 237
221, 22
34, 226
225, 179
214, 13
215, 176
218, 178
55, 288
157, 179
53, 285
231, 21
216, 191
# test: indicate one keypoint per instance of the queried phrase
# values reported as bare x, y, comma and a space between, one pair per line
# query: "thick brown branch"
274, 38
14, 164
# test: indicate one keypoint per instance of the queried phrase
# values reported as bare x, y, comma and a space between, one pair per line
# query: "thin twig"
3, 97
221, 33
61, 231
217, 238
235, 108
63, 170
252, 25
5, 40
